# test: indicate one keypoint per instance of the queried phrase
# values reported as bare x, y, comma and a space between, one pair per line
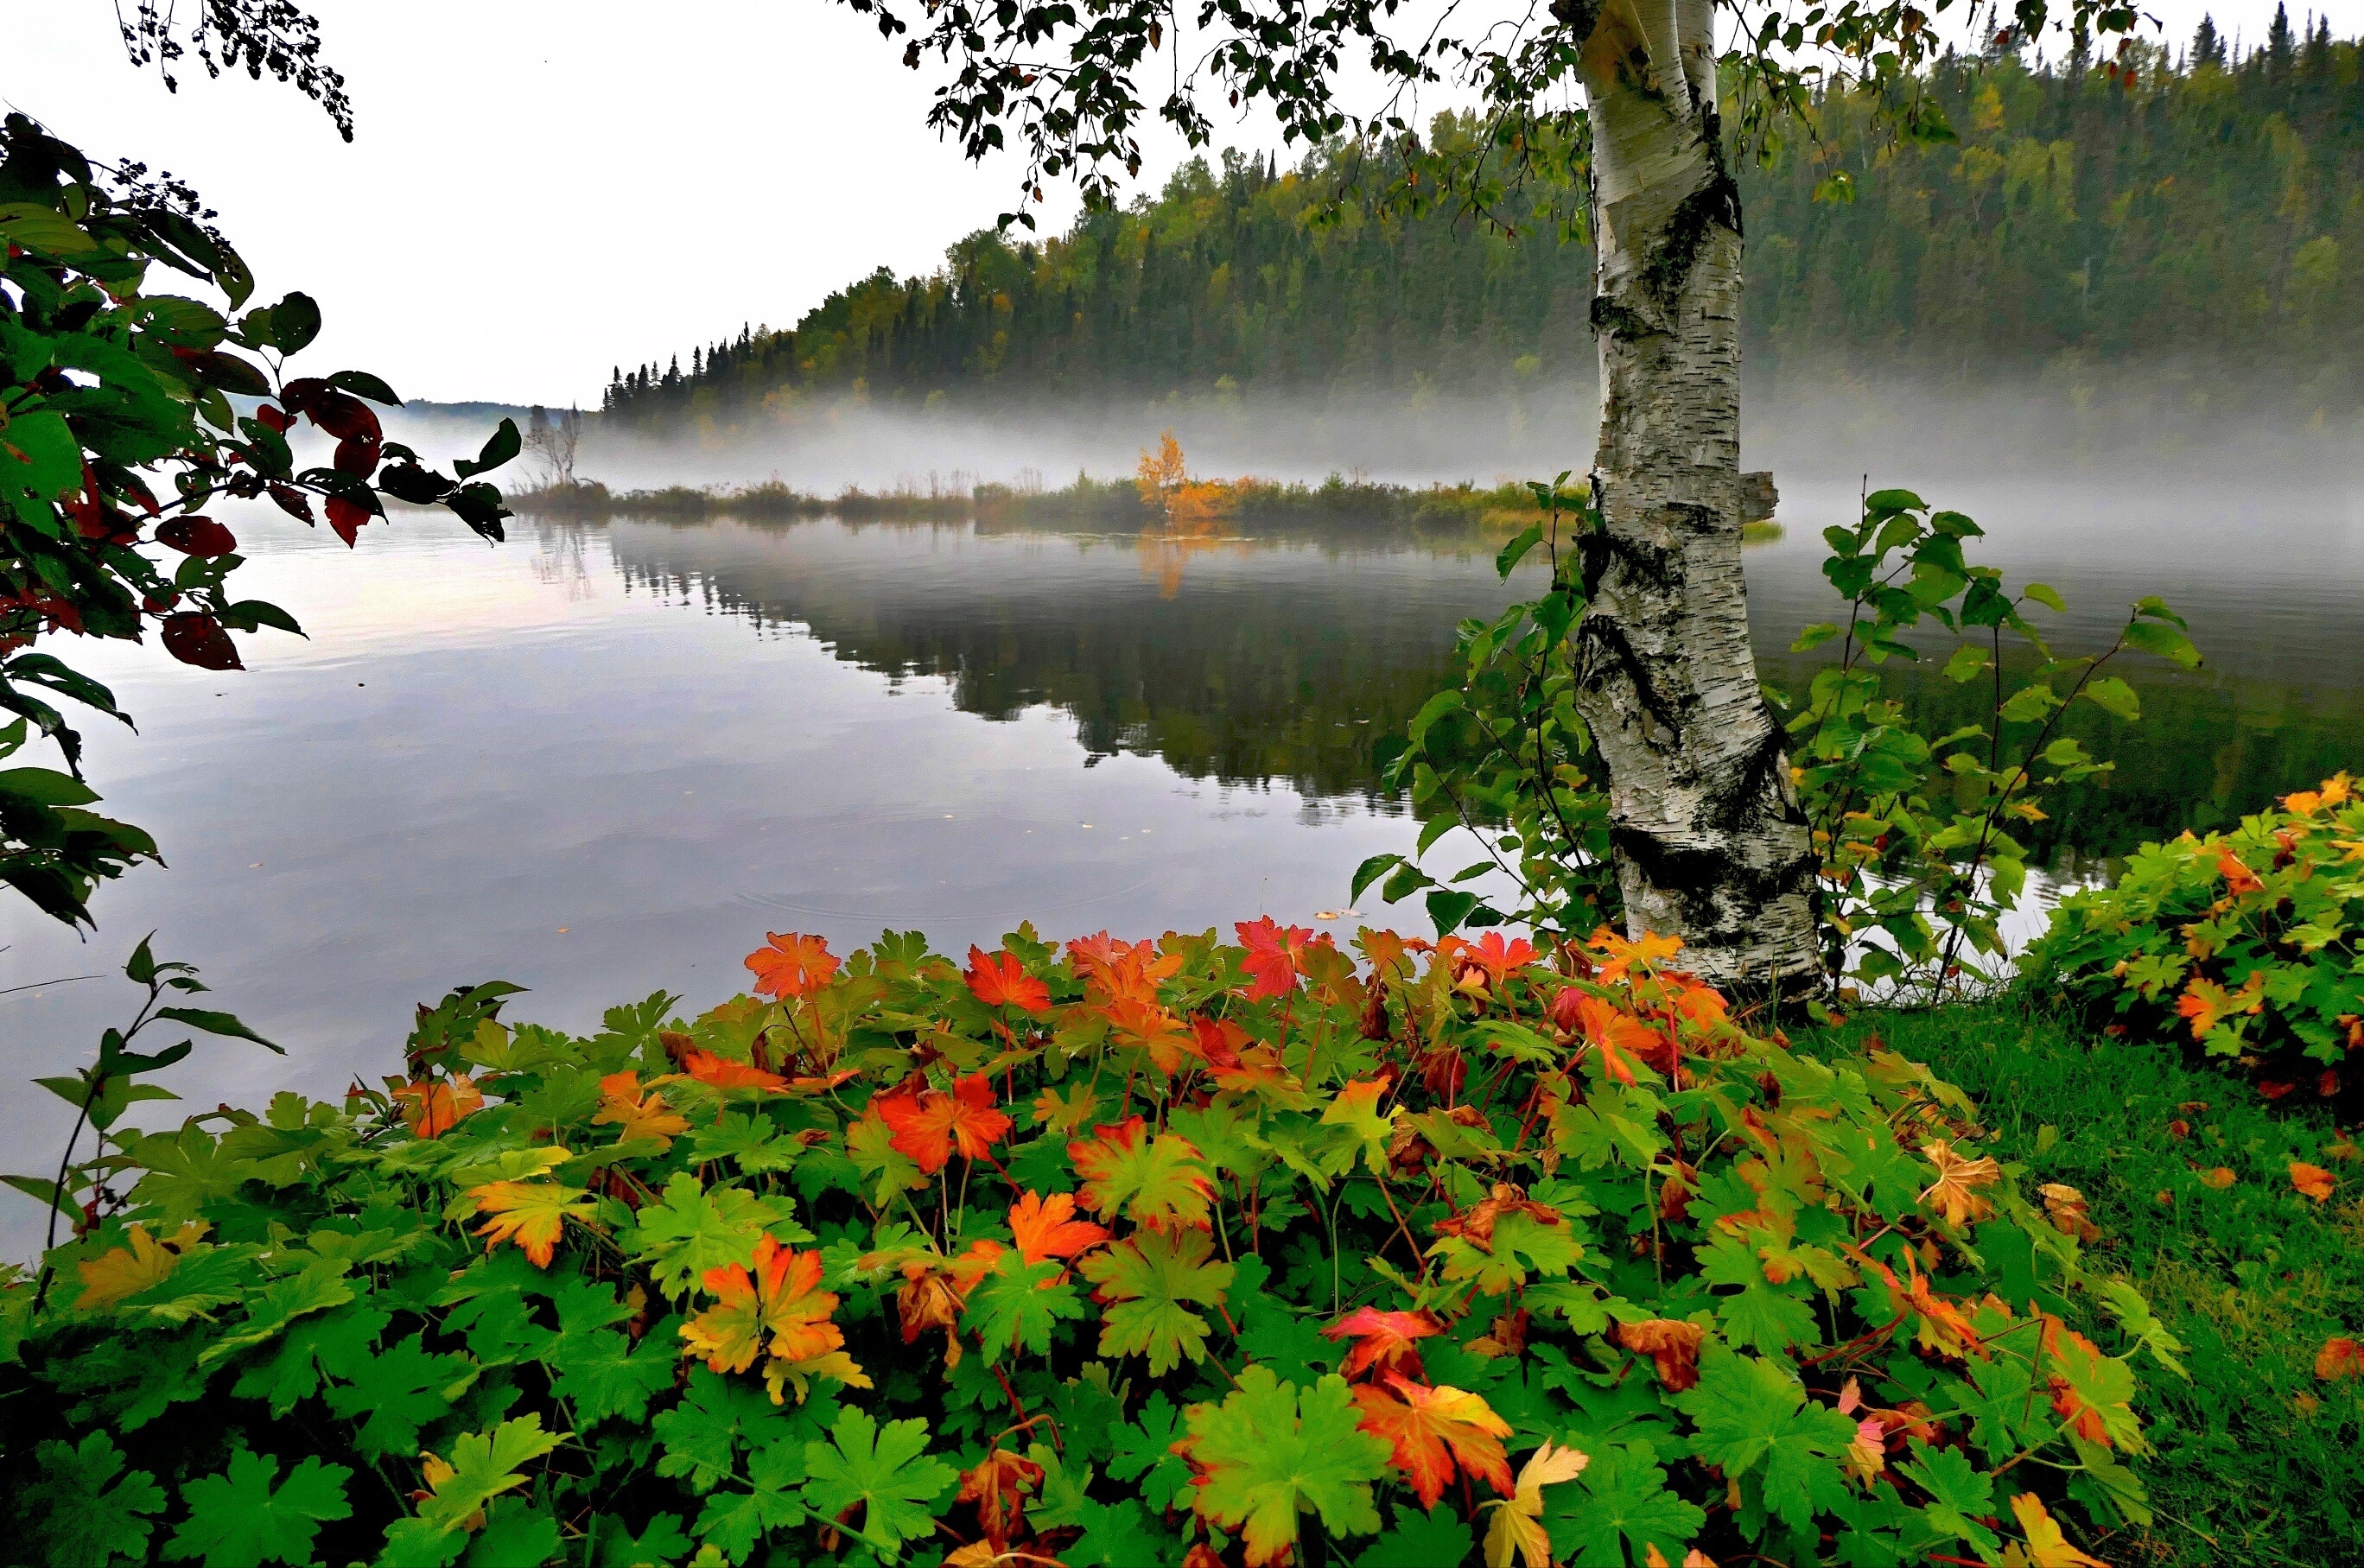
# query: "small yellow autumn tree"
1161, 472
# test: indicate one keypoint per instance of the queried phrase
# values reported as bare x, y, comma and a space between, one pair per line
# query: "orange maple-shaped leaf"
2066, 1348
1430, 1428
1046, 1227
929, 1125
531, 1214
793, 965
1672, 1345
1123, 971
2047, 1547
781, 1298
636, 1113
1621, 1038
1954, 1191
999, 980
1275, 956
999, 1486
2238, 878
433, 1106
1620, 958
722, 1072
1145, 1026
2340, 1357
1490, 960
2206, 1003
1387, 1340
2311, 1180
1160, 1182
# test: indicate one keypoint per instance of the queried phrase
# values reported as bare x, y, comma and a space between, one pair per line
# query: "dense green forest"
2195, 205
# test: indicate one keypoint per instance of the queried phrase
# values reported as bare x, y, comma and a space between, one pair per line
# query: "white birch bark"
1711, 844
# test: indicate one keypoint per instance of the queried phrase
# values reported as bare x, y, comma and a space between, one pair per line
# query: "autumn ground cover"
2187, 1177
1178, 1255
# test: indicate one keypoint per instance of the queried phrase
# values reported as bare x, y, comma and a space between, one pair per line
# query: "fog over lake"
604, 759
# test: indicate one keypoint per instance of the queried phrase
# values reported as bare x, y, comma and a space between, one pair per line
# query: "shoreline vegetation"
1119, 501
1160, 494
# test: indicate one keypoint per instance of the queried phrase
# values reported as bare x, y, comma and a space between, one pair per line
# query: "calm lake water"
603, 759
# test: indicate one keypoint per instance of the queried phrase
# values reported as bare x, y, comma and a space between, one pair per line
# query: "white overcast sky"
540, 189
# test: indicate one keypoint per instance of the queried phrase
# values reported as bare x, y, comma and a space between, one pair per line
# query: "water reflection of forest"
1252, 660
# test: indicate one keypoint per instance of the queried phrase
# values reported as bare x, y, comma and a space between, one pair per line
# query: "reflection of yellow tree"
1164, 555
1166, 484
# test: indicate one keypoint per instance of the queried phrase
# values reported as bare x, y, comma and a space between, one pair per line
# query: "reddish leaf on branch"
292, 501
340, 414
346, 517
929, 1126
999, 980
196, 536
200, 639
1430, 1428
1384, 1340
792, 965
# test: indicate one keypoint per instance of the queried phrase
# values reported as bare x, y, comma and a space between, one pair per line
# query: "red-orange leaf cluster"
793, 965
929, 1125
999, 980
1432, 1428
1385, 1340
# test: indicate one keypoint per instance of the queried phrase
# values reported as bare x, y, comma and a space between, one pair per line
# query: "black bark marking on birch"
1621, 322
1728, 810
1698, 878
1605, 637
1715, 204
1579, 16
1654, 568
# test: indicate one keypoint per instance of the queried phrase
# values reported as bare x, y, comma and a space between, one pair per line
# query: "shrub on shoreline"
1213, 1255
2249, 944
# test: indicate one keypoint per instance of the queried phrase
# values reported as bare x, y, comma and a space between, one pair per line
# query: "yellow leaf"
531, 1214
1511, 1534
124, 1272
2312, 1180
636, 1113
1954, 1191
2046, 1546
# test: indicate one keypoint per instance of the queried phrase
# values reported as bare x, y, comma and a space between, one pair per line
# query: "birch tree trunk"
1711, 844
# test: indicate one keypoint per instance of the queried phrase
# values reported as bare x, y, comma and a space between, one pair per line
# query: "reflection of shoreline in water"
1252, 655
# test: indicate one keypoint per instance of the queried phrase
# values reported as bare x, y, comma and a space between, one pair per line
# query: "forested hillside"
2192, 207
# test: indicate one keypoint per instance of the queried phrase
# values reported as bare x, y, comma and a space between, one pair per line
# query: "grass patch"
2256, 1457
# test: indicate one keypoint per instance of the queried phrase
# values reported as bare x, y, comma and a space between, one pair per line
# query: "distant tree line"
2205, 203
